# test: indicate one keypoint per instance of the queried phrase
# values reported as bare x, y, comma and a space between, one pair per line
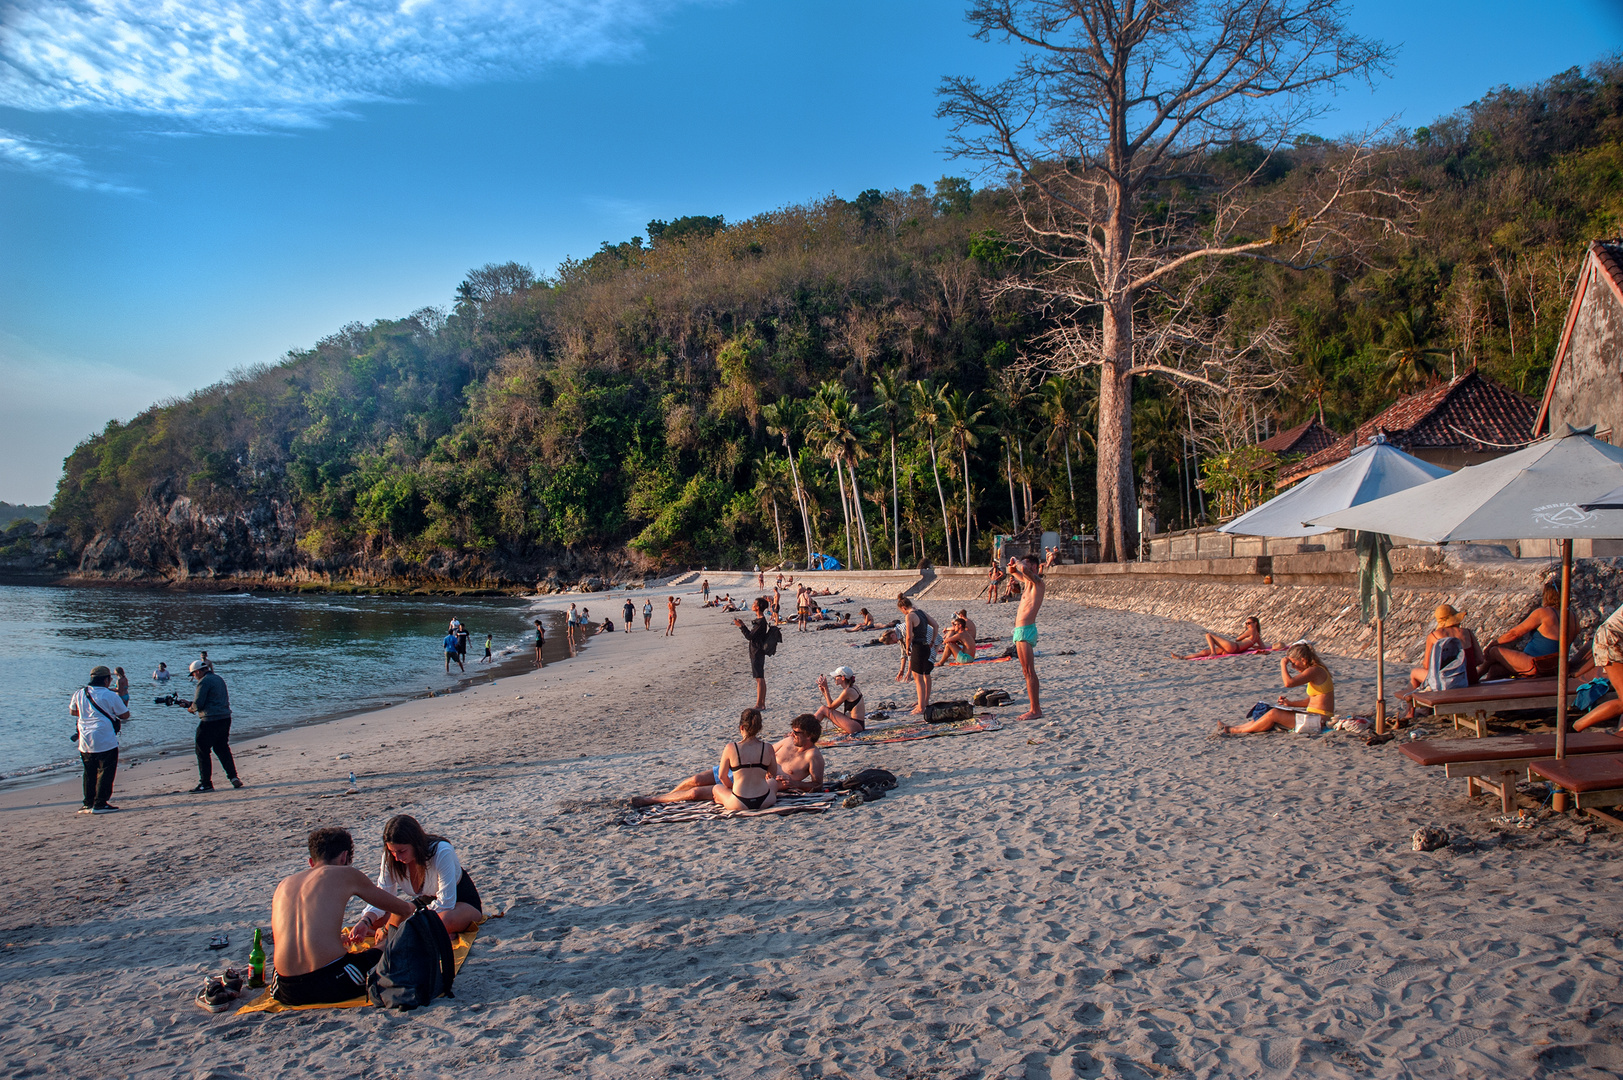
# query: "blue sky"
187, 193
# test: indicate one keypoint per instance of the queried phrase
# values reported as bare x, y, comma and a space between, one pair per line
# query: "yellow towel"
264, 1003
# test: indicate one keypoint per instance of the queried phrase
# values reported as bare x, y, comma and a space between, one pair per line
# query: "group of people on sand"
317, 961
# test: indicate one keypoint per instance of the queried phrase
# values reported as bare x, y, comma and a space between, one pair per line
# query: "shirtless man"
307, 923
917, 650
1025, 626
963, 613
800, 763
994, 578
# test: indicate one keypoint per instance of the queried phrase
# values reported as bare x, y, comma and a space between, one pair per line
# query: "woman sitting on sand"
867, 622
1310, 672
1250, 639
1537, 657
742, 780
1448, 626
844, 710
417, 864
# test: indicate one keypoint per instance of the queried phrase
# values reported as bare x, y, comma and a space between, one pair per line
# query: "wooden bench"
1496, 763
1595, 780
1471, 706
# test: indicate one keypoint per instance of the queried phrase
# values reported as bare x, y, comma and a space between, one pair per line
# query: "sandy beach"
1101, 892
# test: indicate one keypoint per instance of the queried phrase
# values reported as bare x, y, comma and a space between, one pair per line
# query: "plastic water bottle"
352, 778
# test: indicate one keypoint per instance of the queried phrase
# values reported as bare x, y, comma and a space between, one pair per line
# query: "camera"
171, 699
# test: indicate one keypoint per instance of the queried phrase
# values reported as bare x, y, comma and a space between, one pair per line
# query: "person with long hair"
1300, 666
1249, 639
742, 780
1537, 656
844, 710
416, 863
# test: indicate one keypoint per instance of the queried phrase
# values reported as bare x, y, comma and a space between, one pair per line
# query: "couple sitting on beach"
751, 773
312, 962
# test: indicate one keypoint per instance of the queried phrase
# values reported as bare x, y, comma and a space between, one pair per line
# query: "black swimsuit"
754, 801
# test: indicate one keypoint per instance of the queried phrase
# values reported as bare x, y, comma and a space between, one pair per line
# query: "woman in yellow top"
1309, 672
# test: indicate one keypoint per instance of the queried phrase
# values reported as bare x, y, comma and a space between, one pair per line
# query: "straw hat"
1447, 616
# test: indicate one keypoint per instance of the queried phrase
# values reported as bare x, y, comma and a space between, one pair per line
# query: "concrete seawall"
1311, 595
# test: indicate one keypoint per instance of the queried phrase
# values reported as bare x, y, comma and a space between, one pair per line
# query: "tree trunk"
800, 497
862, 518
1068, 480
1117, 529
895, 508
839, 478
1008, 467
778, 528
963, 452
1025, 484
946, 524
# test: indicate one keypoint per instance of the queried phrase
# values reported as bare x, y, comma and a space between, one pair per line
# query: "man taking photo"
212, 705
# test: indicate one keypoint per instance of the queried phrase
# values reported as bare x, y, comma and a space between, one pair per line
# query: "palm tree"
1059, 409
1414, 362
1008, 400
963, 429
784, 418
839, 426
770, 489
890, 398
928, 406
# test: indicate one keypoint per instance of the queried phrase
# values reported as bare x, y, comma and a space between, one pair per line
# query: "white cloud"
27, 155
256, 64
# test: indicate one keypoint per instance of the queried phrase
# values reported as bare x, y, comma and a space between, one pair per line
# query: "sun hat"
100, 671
1447, 616
842, 672
197, 665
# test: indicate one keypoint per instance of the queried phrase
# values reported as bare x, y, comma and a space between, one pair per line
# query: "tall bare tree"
1108, 128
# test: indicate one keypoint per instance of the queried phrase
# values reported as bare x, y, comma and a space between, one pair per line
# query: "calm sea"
287, 660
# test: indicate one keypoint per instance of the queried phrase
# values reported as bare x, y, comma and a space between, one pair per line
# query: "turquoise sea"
287, 659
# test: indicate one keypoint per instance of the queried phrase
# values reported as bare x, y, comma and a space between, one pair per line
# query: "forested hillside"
711, 391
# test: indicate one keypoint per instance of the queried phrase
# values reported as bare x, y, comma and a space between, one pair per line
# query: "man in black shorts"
307, 922
756, 634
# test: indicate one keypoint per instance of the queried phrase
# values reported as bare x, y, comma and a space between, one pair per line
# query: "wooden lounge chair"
1497, 762
1595, 780
1471, 706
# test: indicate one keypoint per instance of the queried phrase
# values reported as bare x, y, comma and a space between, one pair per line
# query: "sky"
187, 188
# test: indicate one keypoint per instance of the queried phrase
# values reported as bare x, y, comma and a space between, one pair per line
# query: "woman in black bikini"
846, 710
744, 776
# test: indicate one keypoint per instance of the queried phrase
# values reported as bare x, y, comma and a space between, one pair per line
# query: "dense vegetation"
651, 394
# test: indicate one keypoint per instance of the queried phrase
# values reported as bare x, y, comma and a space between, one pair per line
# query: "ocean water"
286, 659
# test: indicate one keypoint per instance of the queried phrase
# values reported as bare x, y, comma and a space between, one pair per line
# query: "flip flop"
219, 941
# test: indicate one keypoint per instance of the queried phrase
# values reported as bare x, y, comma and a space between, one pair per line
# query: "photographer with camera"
100, 714
212, 705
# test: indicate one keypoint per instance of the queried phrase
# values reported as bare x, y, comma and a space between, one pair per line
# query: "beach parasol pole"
1561, 657
1380, 675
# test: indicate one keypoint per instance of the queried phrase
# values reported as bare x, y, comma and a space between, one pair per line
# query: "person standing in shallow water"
212, 705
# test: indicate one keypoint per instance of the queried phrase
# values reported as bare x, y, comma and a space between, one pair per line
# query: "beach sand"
1101, 892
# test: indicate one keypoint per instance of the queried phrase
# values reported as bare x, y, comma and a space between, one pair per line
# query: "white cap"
197, 665
843, 672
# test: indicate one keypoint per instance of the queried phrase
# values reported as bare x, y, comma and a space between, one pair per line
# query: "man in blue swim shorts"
1027, 573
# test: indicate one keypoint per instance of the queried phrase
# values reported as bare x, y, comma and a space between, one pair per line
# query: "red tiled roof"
1604, 260
1471, 412
1308, 438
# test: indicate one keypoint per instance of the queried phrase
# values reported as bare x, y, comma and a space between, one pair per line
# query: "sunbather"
1300, 666
312, 966
712, 785
800, 763
960, 640
1542, 627
867, 622
845, 710
1607, 657
1448, 626
1217, 645
969, 627
417, 864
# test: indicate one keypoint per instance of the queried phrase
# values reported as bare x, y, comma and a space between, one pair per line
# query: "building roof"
1605, 263
1471, 412
1308, 438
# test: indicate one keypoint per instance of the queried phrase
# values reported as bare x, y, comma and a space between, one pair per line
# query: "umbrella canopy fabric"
1535, 493
1612, 500
1377, 469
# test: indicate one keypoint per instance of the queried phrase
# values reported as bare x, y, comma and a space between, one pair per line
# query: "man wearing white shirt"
98, 711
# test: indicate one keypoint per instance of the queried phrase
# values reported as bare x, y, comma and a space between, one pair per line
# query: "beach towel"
264, 1003
982, 660
670, 813
912, 729
1247, 652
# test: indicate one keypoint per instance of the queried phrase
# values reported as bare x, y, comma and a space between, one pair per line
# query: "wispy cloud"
29, 155
256, 65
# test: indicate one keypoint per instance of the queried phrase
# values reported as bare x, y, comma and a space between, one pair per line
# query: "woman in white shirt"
417, 864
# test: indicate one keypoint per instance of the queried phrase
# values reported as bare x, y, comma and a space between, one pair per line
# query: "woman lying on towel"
1217, 645
1300, 666
417, 864
742, 780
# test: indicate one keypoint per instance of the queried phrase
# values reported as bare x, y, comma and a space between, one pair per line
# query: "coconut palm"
890, 400
928, 407
961, 429
1413, 363
838, 425
772, 486
1060, 408
785, 418
1008, 402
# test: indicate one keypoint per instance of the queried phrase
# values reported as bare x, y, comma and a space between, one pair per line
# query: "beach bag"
1257, 710
872, 783
1591, 693
942, 712
1309, 723
774, 638
417, 965
1446, 667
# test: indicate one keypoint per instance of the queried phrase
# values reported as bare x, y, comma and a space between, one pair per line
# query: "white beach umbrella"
1374, 470
1612, 500
1536, 493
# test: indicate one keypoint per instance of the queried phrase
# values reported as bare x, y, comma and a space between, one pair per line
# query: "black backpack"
873, 783
417, 965
774, 638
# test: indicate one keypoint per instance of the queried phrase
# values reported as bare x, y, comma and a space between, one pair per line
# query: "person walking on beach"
917, 648
569, 625
670, 604
212, 704
540, 640
486, 659
98, 713
1025, 571
630, 613
756, 634
461, 644
452, 655
648, 614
